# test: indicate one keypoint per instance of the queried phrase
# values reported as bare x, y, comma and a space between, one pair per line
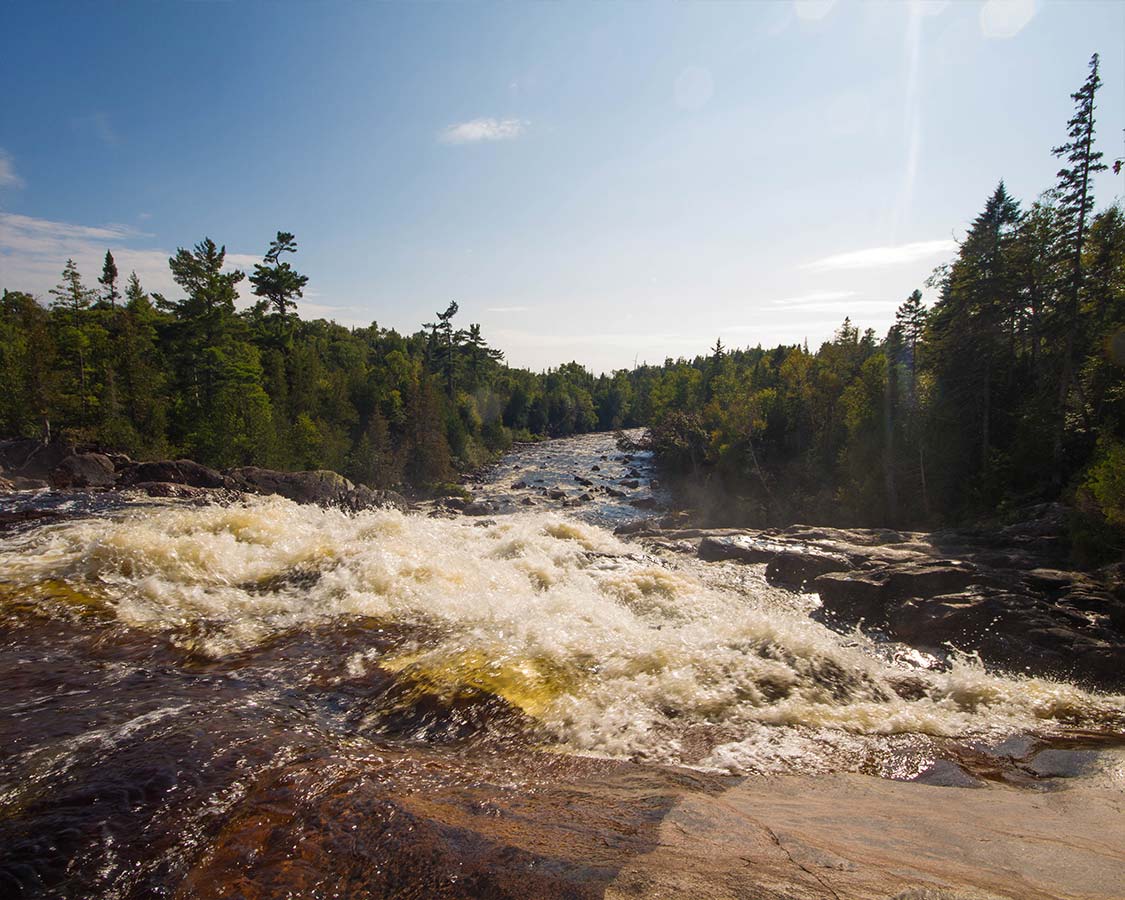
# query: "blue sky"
602, 182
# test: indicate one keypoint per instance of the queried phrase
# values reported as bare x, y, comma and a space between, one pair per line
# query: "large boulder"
363, 497
863, 537
14, 454
853, 595
933, 578
960, 619
870, 593
33, 459
1019, 632
796, 567
741, 548
1001, 592
179, 471
165, 489
84, 470
321, 486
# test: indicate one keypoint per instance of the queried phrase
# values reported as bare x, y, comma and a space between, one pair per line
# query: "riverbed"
260, 699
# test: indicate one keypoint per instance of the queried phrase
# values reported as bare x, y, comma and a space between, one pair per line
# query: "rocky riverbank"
29, 465
1005, 594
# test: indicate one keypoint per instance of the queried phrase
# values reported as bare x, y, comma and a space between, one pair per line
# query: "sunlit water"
157, 644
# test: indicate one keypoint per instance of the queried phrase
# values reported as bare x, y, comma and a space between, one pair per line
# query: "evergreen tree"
28, 378
108, 281
73, 297
142, 370
443, 345
224, 414
279, 285
967, 326
910, 320
1075, 203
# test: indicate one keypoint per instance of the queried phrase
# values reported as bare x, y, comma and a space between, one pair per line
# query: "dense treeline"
1010, 390
196, 377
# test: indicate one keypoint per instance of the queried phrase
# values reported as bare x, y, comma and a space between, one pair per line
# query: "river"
262, 699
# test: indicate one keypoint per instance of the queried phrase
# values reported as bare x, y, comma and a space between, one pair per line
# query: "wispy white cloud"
507, 309
25, 234
33, 252
814, 298
883, 257
243, 261
476, 130
8, 176
1005, 18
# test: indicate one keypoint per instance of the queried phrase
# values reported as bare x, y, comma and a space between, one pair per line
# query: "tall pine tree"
1075, 202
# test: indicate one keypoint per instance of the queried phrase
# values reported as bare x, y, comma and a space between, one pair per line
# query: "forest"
1008, 391
197, 377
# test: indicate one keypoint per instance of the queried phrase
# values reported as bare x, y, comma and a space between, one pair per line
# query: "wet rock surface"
182, 788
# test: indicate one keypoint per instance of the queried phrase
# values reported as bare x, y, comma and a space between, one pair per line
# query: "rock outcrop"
84, 470
28, 464
179, 471
1003, 593
321, 486
32, 460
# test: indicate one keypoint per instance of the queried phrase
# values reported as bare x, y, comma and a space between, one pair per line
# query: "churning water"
158, 658
604, 649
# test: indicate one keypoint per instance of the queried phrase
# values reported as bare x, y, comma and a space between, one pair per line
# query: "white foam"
612, 651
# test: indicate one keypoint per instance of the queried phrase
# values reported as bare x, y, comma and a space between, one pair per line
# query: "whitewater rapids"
607, 650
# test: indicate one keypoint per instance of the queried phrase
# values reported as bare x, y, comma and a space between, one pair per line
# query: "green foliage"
278, 284
1105, 481
194, 376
